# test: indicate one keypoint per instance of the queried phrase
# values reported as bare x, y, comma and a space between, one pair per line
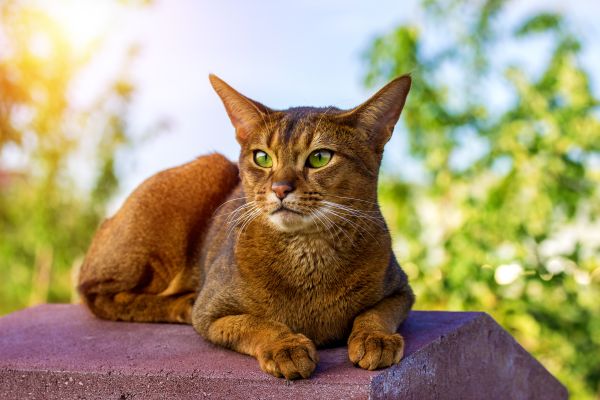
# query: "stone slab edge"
67, 385
467, 364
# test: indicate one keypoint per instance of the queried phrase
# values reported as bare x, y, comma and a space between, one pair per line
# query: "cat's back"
163, 218
150, 245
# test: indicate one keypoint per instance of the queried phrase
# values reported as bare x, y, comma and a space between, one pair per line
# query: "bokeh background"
491, 184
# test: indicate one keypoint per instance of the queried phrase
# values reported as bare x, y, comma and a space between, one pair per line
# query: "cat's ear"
243, 112
378, 115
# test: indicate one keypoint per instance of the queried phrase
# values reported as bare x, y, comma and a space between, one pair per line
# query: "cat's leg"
140, 307
279, 351
145, 294
374, 342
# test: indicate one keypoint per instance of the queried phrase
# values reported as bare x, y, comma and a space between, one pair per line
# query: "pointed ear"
243, 112
378, 115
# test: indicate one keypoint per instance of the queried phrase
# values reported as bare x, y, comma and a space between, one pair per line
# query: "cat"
296, 254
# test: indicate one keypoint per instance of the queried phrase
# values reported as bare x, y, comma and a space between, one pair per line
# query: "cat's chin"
290, 221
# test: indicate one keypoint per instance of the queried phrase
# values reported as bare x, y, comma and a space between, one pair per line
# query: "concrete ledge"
61, 351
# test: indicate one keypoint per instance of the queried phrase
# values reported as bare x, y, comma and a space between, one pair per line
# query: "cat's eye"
262, 159
319, 158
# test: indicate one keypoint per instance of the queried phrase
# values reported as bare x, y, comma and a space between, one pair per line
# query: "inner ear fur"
378, 115
245, 114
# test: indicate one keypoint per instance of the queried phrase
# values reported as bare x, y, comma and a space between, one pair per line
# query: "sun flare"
82, 21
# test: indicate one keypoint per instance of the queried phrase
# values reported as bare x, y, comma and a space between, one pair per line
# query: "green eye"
262, 159
319, 158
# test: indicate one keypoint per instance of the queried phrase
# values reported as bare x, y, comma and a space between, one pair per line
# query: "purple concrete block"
61, 351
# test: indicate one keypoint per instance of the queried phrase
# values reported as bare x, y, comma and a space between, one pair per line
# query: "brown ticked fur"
143, 262
270, 282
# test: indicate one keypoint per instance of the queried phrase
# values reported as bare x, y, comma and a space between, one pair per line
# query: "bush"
505, 217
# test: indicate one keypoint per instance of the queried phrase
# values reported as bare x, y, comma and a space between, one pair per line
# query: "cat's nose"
282, 189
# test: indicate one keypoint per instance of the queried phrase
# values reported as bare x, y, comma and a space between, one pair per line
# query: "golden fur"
275, 272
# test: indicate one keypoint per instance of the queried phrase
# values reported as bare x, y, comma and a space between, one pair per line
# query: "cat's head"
305, 167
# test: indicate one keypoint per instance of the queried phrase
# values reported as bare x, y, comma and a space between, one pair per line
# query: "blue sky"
304, 52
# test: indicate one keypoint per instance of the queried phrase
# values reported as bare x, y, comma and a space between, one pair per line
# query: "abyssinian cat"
275, 256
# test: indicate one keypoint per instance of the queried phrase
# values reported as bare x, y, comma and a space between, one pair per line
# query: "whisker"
233, 219
349, 211
352, 223
355, 210
251, 218
229, 201
240, 208
329, 226
236, 220
353, 198
324, 213
320, 221
359, 228
321, 118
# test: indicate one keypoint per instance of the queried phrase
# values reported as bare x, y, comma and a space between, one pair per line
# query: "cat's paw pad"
292, 357
374, 350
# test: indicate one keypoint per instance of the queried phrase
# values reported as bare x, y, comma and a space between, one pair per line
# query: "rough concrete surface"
62, 351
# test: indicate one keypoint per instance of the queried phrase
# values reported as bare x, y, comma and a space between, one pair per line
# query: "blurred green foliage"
46, 218
506, 217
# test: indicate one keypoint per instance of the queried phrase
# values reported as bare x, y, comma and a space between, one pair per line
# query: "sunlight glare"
83, 21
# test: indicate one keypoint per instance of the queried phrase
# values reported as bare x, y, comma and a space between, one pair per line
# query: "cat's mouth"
284, 209
288, 219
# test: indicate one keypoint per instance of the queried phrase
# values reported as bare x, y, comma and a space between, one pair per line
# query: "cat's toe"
374, 350
294, 357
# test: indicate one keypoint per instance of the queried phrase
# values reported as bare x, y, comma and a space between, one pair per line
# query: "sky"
281, 53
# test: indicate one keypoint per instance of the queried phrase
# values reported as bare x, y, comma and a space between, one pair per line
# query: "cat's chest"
306, 284
307, 258
291, 260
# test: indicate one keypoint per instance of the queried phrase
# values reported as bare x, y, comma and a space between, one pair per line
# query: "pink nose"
282, 189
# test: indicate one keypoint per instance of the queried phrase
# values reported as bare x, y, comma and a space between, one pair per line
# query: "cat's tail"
142, 264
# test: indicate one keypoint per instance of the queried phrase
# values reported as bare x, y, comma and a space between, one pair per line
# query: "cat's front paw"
373, 350
292, 357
